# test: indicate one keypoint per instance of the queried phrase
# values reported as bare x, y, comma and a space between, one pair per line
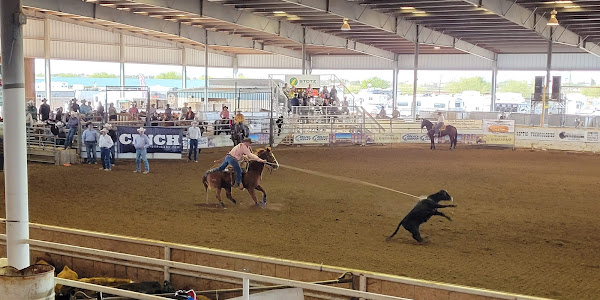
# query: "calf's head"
442, 195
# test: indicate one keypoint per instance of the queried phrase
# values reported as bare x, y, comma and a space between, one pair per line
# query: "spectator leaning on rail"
234, 156
112, 112
168, 113
72, 125
90, 137
106, 143
85, 109
141, 142
194, 134
440, 123
44, 110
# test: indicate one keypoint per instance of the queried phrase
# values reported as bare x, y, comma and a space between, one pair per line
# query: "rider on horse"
233, 157
440, 123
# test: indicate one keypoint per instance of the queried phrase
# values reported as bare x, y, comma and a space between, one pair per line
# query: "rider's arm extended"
246, 150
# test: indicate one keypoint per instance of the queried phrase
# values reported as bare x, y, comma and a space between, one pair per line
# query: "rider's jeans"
230, 160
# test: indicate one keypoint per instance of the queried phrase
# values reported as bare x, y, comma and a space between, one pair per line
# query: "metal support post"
121, 65
47, 74
303, 50
494, 83
415, 78
395, 84
546, 95
183, 69
15, 151
205, 70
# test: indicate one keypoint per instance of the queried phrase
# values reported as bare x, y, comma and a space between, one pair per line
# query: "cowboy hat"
247, 140
107, 125
194, 123
104, 130
141, 129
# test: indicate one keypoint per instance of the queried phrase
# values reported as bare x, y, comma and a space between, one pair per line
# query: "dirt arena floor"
527, 221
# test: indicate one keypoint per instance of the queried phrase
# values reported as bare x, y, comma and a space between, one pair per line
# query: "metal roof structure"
379, 28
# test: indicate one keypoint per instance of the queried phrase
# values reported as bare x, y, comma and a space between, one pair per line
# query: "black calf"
421, 213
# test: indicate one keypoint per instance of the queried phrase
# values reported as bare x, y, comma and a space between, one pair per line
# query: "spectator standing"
74, 105
190, 114
168, 113
32, 110
105, 143
141, 142
90, 138
113, 135
85, 109
100, 109
59, 114
153, 112
184, 112
225, 112
333, 93
73, 124
194, 134
133, 111
294, 102
44, 110
112, 112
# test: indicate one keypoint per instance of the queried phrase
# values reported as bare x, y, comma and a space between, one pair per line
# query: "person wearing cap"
113, 135
73, 124
106, 143
44, 110
141, 142
440, 123
194, 134
74, 105
32, 110
90, 138
234, 156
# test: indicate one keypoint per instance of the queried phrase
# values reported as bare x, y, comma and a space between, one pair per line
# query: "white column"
121, 70
235, 66
15, 152
47, 74
494, 83
415, 73
206, 70
547, 89
395, 84
303, 50
183, 69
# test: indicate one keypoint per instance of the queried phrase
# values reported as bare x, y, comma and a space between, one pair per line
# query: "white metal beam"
279, 28
529, 19
389, 23
192, 33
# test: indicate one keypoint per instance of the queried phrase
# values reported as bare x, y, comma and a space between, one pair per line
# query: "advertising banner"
162, 139
465, 124
302, 81
499, 139
348, 138
312, 138
498, 126
215, 141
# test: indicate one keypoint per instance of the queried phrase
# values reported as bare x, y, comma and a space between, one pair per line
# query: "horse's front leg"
251, 192
264, 202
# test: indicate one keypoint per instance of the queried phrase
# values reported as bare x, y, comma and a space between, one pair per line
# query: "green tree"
66, 75
469, 84
103, 75
375, 82
168, 75
516, 86
39, 75
591, 92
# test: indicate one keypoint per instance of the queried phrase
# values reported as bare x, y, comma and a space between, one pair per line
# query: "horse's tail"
205, 181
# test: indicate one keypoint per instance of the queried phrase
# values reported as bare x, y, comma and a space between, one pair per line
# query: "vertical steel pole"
494, 82
395, 83
121, 64
48, 75
206, 70
273, 97
547, 87
415, 78
15, 149
183, 69
303, 50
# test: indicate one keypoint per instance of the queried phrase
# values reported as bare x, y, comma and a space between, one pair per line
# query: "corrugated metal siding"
152, 55
84, 51
34, 29
33, 48
72, 32
444, 62
356, 62
268, 61
560, 62
195, 57
136, 41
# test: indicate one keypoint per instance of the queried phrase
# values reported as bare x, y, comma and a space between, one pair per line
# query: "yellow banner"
465, 124
500, 139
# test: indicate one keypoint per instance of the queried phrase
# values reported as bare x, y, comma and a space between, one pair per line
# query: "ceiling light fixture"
553, 21
406, 8
563, 2
345, 25
572, 6
419, 12
437, 47
279, 12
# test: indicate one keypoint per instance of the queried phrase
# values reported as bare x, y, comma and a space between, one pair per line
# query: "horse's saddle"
443, 127
243, 165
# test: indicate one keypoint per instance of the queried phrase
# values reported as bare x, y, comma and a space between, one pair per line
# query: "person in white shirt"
105, 142
193, 134
440, 123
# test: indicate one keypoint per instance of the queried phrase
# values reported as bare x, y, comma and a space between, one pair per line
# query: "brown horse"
251, 179
450, 131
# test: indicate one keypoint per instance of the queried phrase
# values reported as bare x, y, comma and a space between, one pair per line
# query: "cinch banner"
162, 139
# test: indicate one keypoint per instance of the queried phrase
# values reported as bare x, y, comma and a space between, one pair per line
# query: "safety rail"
41, 144
173, 259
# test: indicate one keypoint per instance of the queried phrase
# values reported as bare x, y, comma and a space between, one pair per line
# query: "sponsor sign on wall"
162, 139
498, 126
465, 124
311, 138
302, 81
349, 138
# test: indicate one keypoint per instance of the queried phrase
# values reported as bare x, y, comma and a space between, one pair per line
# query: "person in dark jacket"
45, 110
